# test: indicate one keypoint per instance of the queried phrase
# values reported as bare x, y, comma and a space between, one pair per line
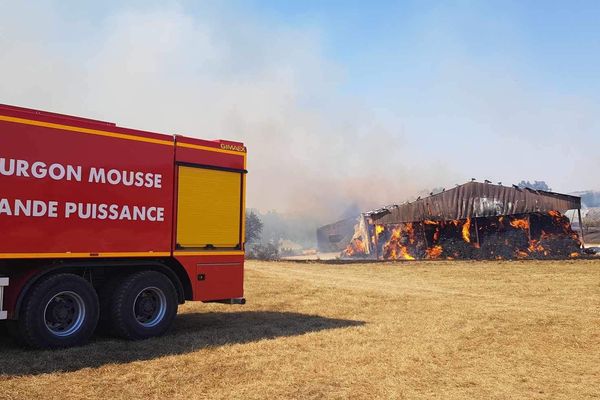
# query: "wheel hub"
64, 313
149, 307
61, 312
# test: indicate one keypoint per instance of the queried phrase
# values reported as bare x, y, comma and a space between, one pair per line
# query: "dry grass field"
448, 330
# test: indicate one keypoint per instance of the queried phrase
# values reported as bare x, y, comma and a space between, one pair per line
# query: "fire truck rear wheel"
58, 311
142, 305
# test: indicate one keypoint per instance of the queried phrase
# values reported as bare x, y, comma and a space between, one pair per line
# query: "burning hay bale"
359, 246
526, 227
506, 237
356, 248
503, 237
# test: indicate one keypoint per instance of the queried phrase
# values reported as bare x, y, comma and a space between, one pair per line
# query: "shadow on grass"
190, 332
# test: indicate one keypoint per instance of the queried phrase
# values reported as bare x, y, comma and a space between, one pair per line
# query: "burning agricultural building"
470, 221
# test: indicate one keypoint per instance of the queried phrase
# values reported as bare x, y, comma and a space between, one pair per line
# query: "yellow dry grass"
448, 330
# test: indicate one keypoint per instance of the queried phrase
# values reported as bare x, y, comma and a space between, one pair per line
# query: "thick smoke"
310, 149
215, 71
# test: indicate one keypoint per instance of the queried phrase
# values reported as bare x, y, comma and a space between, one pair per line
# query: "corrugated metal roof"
474, 199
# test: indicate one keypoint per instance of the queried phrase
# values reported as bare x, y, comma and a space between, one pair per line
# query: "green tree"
254, 227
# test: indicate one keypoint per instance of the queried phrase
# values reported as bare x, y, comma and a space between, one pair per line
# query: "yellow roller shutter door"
208, 212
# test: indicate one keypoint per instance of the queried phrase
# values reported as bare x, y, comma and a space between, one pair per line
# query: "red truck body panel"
68, 233
57, 170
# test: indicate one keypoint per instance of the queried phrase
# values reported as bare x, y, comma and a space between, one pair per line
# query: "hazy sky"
337, 101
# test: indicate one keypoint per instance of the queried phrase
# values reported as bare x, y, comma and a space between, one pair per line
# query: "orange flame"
355, 247
466, 234
521, 254
520, 223
405, 255
411, 232
434, 252
535, 247
394, 249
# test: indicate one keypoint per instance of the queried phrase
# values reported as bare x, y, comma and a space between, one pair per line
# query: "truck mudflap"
3, 284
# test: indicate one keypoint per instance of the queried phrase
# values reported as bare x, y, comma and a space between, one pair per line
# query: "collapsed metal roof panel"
336, 236
474, 199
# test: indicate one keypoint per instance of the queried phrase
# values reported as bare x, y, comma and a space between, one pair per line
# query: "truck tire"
58, 311
142, 305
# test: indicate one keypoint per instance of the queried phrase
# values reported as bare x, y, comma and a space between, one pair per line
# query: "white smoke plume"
218, 71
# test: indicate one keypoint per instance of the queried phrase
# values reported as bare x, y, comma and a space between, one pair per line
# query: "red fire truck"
113, 227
